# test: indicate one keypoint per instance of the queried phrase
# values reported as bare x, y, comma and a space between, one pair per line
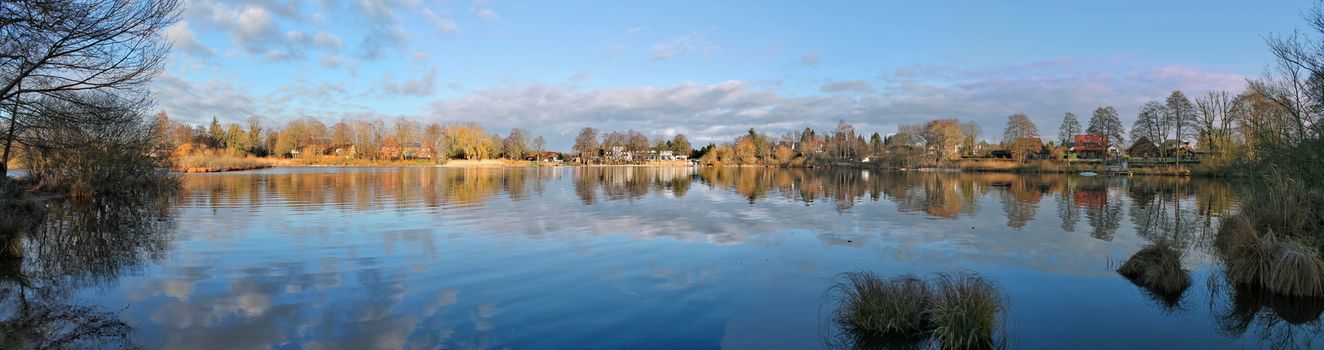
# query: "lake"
620, 257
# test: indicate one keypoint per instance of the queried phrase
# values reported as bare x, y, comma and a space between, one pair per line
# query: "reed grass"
966, 312
881, 308
206, 163
1157, 269
1273, 243
953, 311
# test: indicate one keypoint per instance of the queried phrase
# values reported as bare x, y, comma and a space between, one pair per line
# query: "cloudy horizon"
710, 71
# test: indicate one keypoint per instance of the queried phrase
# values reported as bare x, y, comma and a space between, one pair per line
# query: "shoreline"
1028, 168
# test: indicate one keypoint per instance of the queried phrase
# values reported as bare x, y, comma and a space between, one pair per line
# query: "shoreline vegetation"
229, 163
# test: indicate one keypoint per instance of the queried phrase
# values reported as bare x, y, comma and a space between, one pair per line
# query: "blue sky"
704, 68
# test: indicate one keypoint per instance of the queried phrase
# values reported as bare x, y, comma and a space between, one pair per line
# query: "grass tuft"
875, 307
1157, 269
1295, 269
966, 312
960, 311
1235, 233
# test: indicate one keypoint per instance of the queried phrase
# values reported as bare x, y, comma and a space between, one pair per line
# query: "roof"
1091, 143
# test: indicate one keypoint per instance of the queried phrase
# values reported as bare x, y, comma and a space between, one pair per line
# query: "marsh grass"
1294, 269
955, 311
217, 161
1157, 269
1273, 243
875, 308
966, 312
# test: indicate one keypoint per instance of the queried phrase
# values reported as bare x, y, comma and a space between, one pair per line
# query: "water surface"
625, 257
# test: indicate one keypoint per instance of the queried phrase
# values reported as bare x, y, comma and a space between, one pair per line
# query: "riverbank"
212, 163
205, 164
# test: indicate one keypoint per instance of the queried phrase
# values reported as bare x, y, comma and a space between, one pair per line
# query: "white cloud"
197, 102
684, 45
255, 27
421, 86
327, 41
483, 8
846, 86
185, 40
718, 112
444, 25
331, 61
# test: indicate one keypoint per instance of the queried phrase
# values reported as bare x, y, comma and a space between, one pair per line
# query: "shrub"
1273, 242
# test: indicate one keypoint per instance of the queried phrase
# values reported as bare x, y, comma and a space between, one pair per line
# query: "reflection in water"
81, 244
424, 257
1282, 322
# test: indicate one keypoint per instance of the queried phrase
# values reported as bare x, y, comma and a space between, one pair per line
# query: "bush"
1273, 242
116, 156
18, 213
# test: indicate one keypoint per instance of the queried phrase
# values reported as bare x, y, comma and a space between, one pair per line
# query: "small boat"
1088, 173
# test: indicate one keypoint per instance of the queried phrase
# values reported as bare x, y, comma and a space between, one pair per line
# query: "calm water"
619, 258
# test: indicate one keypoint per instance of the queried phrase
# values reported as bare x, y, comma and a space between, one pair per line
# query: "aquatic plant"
1157, 269
1234, 233
954, 311
966, 312
1273, 242
1294, 269
874, 307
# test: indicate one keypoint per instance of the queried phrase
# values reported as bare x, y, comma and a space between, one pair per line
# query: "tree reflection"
1280, 322
629, 183
81, 244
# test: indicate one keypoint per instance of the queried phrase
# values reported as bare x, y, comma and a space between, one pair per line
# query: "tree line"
403, 138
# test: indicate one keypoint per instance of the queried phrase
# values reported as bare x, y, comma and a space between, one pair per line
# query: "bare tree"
1021, 136
1180, 115
1106, 122
1149, 123
69, 50
516, 145
1215, 118
1069, 129
586, 144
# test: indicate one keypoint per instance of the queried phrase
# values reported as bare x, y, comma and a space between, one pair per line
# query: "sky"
708, 69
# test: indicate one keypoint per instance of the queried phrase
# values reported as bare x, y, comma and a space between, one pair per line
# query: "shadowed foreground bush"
1157, 269
951, 311
18, 213
1274, 242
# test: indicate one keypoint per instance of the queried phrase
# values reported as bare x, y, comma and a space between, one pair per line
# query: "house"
619, 153
1178, 148
1090, 146
1143, 148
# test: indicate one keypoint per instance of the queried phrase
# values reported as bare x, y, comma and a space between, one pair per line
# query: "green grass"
953, 311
